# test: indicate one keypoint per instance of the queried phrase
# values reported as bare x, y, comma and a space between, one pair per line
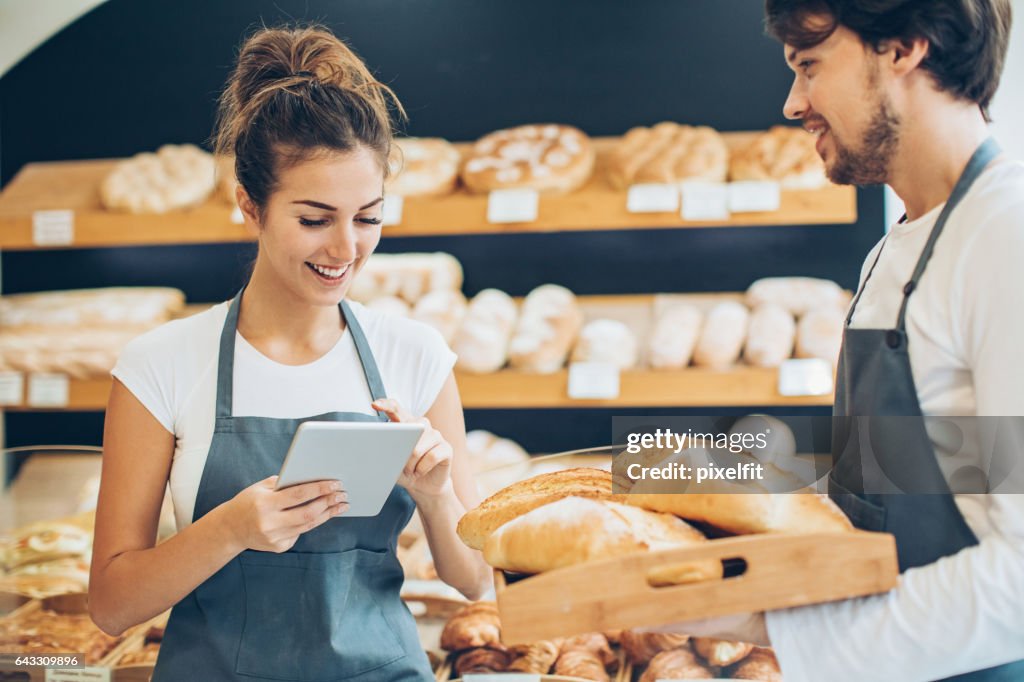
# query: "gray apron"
879, 440
328, 608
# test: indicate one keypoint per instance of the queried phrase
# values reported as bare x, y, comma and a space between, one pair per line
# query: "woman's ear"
248, 208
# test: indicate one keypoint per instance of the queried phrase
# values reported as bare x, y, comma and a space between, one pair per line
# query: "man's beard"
869, 163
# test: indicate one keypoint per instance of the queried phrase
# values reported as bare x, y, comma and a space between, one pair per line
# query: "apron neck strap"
983, 155
226, 361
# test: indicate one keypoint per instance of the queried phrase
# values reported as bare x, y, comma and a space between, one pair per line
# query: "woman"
272, 584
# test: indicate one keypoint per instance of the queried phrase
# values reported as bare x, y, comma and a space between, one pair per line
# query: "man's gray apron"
328, 608
890, 450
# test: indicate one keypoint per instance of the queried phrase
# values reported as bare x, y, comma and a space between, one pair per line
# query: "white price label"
53, 228
513, 206
705, 200
12, 388
48, 390
804, 377
500, 677
391, 212
754, 197
652, 198
593, 381
91, 674
236, 216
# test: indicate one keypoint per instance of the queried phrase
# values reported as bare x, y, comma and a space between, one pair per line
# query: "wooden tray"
781, 571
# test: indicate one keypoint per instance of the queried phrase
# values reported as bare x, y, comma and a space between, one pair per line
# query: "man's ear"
903, 56
248, 208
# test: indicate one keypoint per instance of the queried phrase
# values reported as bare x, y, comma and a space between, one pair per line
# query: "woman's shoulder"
187, 335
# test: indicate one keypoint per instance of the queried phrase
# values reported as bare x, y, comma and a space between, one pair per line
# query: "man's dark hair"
967, 38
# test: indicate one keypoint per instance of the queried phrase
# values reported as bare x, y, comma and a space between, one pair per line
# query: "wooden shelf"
75, 185
737, 387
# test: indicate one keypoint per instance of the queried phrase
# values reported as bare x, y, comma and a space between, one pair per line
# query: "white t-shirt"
965, 327
172, 370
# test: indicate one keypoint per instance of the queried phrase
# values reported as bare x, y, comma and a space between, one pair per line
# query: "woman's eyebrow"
316, 204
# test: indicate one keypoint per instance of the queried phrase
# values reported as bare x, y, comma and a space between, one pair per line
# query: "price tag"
705, 200
754, 197
12, 388
236, 216
652, 198
501, 677
593, 381
92, 674
48, 390
53, 228
513, 206
805, 377
391, 212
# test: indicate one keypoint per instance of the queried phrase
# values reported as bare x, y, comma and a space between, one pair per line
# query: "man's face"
838, 95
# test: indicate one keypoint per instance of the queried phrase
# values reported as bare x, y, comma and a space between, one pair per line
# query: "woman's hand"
271, 520
427, 474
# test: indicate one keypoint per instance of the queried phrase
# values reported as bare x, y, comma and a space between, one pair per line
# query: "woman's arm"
132, 579
442, 457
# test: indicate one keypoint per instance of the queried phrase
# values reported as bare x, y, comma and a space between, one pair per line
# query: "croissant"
583, 664
677, 664
641, 647
535, 658
721, 652
483, 660
475, 625
760, 665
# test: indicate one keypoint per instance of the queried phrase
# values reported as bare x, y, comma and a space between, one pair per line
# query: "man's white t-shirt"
172, 370
965, 328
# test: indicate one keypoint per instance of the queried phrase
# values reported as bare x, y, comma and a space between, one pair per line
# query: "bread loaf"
124, 307
723, 335
641, 647
548, 324
760, 665
475, 625
674, 337
819, 334
482, 341
575, 530
607, 341
519, 498
720, 652
669, 153
798, 295
770, 337
175, 177
784, 154
547, 158
751, 512
422, 166
677, 664
443, 310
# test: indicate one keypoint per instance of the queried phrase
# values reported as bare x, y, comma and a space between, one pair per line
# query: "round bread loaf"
547, 158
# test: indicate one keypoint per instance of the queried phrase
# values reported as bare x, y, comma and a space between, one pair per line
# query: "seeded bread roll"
723, 335
770, 336
669, 153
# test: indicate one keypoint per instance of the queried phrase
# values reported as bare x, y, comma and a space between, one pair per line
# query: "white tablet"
367, 457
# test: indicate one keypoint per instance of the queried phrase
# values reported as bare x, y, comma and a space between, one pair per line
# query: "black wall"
130, 76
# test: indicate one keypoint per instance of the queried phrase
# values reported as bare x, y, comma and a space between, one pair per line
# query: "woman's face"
322, 223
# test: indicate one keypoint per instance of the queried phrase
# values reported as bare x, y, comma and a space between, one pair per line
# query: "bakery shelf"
74, 185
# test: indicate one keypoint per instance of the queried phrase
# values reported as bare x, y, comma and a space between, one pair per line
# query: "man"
897, 92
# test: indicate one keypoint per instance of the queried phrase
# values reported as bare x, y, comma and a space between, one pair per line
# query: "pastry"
576, 530
547, 158
536, 658
607, 341
175, 177
784, 154
482, 341
40, 631
482, 660
594, 643
677, 664
743, 513
475, 625
760, 665
641, 647
443, 310
524, 496
798, 295
770, 336
819, 334
669, 153
548, 324
722, 337
581, 664
46, 541
720, 652
422, 166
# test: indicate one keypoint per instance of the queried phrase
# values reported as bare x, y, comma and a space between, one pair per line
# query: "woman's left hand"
428, 471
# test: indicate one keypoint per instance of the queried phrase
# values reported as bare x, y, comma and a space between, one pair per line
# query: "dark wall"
130, 76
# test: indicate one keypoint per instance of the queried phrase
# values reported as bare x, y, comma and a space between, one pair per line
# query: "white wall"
26, 24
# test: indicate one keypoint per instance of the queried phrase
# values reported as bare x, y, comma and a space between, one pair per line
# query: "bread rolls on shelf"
798, 295
819, 334
547, 158
443, 310
474, 625
112, 306
760, 665
607, 341
576, 530
549, 321
482, 341
677, 664
422, 166
523, 496
669, 153
745, 513
175, 177
722, 337
720, 652
641, 647
408, 276
784, 154
674, 337
770, 336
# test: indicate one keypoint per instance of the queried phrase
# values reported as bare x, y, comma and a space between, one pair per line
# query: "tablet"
367, 457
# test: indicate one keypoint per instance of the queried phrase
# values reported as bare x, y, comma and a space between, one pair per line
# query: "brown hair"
298, 92
967, 39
